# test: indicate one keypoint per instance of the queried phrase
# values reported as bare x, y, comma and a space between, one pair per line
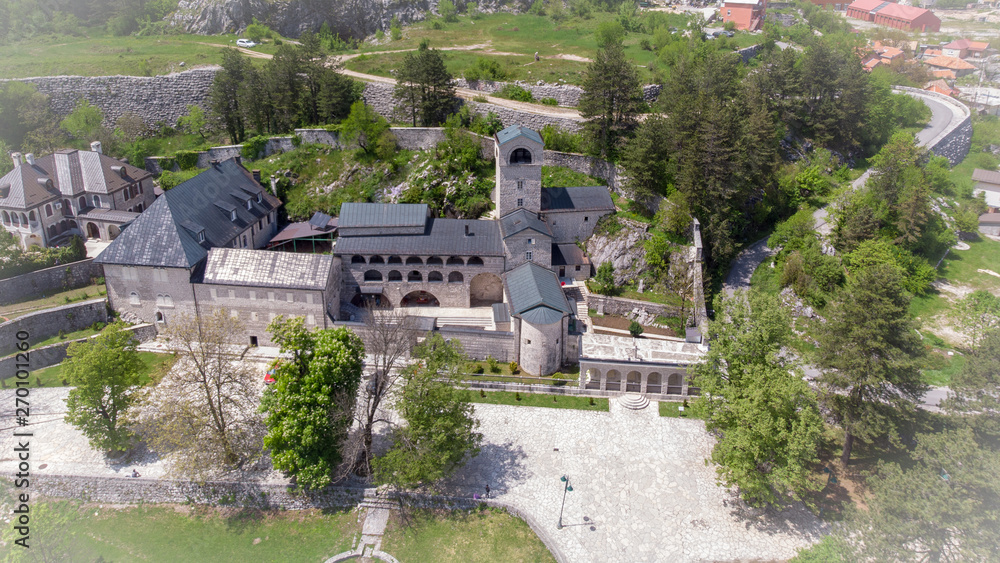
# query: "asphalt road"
940, 118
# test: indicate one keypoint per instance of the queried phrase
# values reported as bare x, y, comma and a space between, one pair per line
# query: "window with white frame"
133, 299
531, 241
130, 273
232, 215
520, 184
213, 292
270, 296
527, 255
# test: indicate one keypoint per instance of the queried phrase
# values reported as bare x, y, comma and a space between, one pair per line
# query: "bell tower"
519, 170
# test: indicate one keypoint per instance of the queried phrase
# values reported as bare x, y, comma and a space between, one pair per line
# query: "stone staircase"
633, 402
579, 294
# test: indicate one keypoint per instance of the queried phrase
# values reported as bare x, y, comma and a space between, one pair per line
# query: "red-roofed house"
746, 14
957, 66
964, 48
864, 9
907, 17
942, 87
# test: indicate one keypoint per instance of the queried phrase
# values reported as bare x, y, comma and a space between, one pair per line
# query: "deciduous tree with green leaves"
84, 121
605, 278
310, 407
871, 356
364, 127
194, 122
978, 314
105, 371
765, 415
440, 431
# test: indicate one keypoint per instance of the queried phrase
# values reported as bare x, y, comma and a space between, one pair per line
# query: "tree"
635, 329
605, 278
130, 127
870, 353
764, 414
440, 432
227, 90
365, 127
612, 99
194, 123
978, 314
50, 536
23, 111
105, 371
448, 11
257, 31
944, 507
205, 413
309, 409
388, 336
644, 161
975, 389
84, 121
423, 87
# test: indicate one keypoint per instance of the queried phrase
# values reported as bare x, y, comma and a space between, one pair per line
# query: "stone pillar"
643, 381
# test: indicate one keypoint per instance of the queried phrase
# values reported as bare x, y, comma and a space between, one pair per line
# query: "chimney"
16, 156
30, 157
274, 186
466, 230
96, 147
256, 176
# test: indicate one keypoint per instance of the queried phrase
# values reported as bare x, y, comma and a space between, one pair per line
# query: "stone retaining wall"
954, 142
53, 354
155, 99
50, 280
479, 344
605, 305
46, 324
568, 95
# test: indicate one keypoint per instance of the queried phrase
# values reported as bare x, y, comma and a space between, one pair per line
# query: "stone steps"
633, 402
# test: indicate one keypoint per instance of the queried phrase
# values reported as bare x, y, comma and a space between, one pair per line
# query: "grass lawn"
155, 366
62, 298
561, 177
485, 535
671, 409
83, 333
539, 400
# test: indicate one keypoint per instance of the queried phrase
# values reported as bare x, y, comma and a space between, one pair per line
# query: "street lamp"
566, 488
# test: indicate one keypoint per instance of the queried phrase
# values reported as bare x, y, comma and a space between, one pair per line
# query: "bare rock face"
624, 249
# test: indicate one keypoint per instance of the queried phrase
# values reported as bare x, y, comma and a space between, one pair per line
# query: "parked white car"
245, 43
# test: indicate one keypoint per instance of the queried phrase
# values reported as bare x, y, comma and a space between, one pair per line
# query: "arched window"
24, 220
376, 260
159, 317
48, 210
52, 231
31, 215
357, 259
435, 277
435, 261
395, 276
6, 218
138, 208
455, 277
97, 201
373, 275
414, 260
67, 209
475, 261
414, 276
395, 260
520, 156
82, 202
133, 298
455, 261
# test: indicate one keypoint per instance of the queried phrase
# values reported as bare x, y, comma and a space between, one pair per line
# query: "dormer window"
97, 201
232, 215
260, 198
201, 236
249, 204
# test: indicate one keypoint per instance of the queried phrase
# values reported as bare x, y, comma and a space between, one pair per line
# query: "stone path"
376, 513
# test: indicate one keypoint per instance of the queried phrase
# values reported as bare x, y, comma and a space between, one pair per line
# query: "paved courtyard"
641, 490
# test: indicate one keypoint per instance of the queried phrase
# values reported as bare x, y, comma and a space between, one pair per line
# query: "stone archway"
93, 231
614, 380
113, 232
633, 381
485, 289
419, 299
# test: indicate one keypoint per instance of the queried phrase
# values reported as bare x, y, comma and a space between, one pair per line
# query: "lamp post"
566, 488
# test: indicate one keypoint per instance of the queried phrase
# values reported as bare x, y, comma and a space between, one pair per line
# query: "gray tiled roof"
568, 255
520, 220
988, 176
158, 238
535, 294
72, 172
114, 215
585, 198
515, 131
382, 215
500, 313
263, 268
441, 237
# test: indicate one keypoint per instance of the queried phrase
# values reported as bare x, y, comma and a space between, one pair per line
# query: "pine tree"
612, 99
423, 87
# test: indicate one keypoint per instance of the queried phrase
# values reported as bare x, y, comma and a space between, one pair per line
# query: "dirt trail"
464, 93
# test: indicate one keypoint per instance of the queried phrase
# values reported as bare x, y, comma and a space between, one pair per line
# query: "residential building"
955, 67
44, 201
963, 48
746, 14
987, 183
942, 87
891, 14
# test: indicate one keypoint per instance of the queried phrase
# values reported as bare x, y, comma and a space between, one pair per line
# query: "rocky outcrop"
623, 247
290, 18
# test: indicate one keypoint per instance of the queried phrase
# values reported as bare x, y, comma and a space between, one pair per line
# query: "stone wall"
605, 305
479, 344
55, 353
155, 99
39, 283
955, 140
46, 324
567, 95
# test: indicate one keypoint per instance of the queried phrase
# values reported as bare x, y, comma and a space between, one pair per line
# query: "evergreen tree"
976, 387
871, 355
423, 87
612, 99
224, 97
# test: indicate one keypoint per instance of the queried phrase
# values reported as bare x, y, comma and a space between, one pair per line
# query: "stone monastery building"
196, 249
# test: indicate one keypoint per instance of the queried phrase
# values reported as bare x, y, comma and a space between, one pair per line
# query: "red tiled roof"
944, 73
865, 5
941, 87
903, 12
958, 44
949, 62
932, 52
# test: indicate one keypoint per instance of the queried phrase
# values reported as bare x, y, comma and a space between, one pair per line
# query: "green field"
99, 54
154, 367
484, 535
538, 400
673, 410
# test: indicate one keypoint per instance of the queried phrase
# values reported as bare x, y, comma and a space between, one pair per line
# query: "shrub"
557, 139
517, 395
493, 364
253, 148
513, 368
256, 31
279, 42
592, 403
395, 32
635, 329
186, 160
516, 93
436, 24
550, 102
